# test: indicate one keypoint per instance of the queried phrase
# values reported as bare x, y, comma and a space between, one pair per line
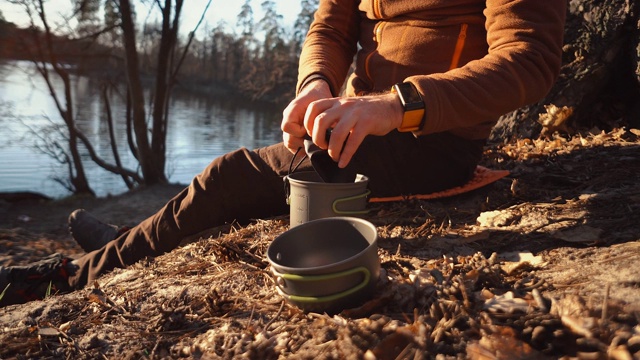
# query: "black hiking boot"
89, 232
49, 276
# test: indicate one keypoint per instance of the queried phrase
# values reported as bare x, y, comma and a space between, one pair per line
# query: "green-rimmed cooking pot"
311, 198
326, 265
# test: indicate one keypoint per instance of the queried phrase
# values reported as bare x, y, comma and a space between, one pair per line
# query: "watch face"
410, 97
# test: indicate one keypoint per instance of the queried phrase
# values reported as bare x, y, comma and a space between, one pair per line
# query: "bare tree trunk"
152, 169
599, 83
163, 87
112, 138
77, 177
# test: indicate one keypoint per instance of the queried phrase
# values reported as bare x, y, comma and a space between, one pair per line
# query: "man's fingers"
352, 143
293, 129
313, 110
339, 135
320, 117
292, 143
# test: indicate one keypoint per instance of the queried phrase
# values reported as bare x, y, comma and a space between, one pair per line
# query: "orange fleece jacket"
471, 60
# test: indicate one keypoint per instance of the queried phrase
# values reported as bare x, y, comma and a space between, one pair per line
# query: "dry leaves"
438, 296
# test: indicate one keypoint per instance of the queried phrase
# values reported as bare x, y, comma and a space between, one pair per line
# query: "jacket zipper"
462, 37
376, 37
377, 30
376, 9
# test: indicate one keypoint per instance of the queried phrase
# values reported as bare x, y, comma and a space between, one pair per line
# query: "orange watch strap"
411, 119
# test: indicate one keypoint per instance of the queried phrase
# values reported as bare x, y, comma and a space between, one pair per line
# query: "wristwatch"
412, 104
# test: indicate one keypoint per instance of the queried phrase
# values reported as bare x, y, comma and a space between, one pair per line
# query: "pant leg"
245, 185
239, 186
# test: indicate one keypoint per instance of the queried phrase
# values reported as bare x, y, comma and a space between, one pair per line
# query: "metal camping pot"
326, 265
311, 198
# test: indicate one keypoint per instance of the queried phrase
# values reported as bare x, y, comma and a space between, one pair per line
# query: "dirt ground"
541, 264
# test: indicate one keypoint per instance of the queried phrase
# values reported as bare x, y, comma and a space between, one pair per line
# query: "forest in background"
255, 58
105, 39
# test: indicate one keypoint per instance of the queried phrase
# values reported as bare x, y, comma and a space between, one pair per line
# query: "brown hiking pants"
244, 185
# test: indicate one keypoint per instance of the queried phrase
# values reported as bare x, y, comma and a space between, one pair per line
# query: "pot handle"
287, 190
292, 169
318, 299
336, 202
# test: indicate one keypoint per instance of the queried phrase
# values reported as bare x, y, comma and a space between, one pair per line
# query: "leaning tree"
599, 83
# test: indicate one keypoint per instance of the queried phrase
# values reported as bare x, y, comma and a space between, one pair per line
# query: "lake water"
200, 129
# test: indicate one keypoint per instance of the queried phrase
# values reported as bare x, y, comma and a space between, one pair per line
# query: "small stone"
634, 344
48, 331
538, 334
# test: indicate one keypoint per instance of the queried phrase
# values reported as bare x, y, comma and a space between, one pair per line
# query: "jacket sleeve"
330, 44
522, 63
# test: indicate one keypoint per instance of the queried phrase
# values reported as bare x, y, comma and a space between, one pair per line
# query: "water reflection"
201, 128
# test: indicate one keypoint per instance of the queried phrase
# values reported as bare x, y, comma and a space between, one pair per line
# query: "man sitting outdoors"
431, 79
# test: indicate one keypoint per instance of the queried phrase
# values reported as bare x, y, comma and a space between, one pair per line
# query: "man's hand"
350, 120
293, 115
